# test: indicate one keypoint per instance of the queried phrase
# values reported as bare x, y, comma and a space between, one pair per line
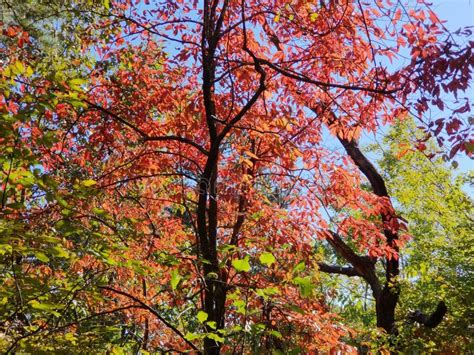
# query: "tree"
434, 266
432, 197
181, 165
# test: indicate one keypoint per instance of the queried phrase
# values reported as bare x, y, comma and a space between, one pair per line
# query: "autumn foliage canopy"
165, 174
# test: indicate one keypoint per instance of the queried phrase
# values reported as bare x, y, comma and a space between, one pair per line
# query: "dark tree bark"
215, 288
385, 292
432, 320
386, 300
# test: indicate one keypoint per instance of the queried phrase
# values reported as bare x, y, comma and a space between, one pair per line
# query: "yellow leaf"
314, 16
246, 178
89, 183
4, 301
19, 67
247, 162
297, 152
29, 71
251, 155
76, 83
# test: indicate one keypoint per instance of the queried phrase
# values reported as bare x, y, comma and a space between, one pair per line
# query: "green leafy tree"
38, 223
437, 263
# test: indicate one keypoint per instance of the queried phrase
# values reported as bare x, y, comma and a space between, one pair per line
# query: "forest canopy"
216, 176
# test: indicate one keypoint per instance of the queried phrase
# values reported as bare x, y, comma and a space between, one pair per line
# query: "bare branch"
155, 313
145, 137
337, 269
302, 77
432, 320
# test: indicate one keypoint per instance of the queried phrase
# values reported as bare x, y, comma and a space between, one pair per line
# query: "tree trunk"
385, 305
211, 347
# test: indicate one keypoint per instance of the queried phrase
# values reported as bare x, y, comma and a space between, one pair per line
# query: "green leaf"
5, 249
469, 147
212, 324
265, 292
241, 264
212, 275
267, 259
202, 316
240, 305
191, 336
71, 338
305, 285
77, 103
45, 306
59, 252
296, 309
42, 257
175, 278
62, 202
76, 83
299, 267
99, 211
109, 259
275, 333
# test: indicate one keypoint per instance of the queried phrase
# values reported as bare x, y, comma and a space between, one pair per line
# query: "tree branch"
336, 269
261, 85
432, 320
301, 77
365, 166
364, 266
155, 313
145, 136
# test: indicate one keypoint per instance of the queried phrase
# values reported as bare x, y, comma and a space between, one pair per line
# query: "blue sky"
458, 13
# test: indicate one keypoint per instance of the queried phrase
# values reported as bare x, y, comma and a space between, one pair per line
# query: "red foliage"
205, 126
